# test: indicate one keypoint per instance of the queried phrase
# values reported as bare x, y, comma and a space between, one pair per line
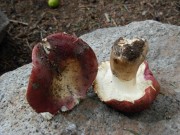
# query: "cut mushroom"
126, 82
64, 67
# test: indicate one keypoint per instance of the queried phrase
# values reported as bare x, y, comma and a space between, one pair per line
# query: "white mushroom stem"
126, 57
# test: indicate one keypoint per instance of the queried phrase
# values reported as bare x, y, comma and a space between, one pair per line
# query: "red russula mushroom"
64, 67
126, 82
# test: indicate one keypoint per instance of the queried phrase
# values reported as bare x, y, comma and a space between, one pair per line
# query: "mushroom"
126, 82
64, 67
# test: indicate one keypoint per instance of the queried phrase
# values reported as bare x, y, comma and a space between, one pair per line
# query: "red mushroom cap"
126, 82
64, 67
142, 103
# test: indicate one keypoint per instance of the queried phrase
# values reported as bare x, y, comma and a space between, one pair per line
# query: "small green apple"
53, 3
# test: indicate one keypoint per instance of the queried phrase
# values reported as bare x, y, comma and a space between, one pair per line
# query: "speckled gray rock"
92, 116
4, 21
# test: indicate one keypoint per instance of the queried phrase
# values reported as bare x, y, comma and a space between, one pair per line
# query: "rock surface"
92, 116
3, 24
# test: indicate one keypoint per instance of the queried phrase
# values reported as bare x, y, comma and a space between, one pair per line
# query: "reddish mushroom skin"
67, 54
142, 103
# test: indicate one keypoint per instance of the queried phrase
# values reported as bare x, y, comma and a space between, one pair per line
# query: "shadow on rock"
163, 108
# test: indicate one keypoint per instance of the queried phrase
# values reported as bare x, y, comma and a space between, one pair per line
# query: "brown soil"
31, 20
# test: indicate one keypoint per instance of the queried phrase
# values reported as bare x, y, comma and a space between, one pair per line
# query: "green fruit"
53, 3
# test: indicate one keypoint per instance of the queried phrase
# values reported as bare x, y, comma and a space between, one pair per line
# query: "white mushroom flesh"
109, 87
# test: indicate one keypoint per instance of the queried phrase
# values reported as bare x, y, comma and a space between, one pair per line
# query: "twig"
41, 29
28, 44
114, 22
38, 21
21, 35
107, 17
15, 21
41, 34
126, 8
41, 17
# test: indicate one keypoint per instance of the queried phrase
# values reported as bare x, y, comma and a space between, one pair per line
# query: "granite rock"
92, 116
4, 21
